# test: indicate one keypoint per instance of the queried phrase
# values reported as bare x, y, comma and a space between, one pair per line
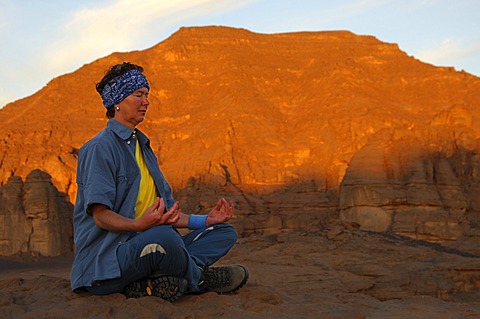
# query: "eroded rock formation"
296, 128
35, 218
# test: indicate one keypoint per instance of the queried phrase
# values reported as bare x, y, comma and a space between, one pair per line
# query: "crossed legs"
163, 250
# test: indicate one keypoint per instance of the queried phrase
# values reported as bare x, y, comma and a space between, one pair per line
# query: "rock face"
296, 128
36, 218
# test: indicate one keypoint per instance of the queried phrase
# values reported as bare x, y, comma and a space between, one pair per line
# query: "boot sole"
168, 288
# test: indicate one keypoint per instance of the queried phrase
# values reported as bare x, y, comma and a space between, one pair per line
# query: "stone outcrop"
298, 129
35, 218
419, 181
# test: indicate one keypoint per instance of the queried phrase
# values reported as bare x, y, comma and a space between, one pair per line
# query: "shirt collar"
121, 130
125, 132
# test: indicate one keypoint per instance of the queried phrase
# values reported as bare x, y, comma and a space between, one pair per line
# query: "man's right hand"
155, 215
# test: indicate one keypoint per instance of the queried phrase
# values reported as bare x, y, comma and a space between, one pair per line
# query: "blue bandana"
122, 86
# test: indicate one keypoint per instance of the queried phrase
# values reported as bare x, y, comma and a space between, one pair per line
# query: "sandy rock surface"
337, 273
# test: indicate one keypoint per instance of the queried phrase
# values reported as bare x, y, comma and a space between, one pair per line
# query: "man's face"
133, 108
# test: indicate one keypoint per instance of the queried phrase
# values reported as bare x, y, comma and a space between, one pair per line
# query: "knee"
166, 236
228, 232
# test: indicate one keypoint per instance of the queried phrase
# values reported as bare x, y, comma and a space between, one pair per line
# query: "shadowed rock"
37, 219
295, 128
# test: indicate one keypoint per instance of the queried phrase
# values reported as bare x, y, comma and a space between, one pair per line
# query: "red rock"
312, 124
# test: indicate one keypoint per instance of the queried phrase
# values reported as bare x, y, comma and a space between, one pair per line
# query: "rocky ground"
338, 272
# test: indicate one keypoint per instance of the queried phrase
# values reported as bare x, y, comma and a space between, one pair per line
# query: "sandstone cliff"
296, 128
35, 218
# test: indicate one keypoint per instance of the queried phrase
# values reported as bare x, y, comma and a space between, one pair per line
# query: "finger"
172, 209
154, 205
224, 201
228, 207
219, 205
171, 212
175, 213
229, 210
160, 204
174, 218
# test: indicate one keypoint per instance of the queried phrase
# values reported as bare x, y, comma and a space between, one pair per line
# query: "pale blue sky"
42, 39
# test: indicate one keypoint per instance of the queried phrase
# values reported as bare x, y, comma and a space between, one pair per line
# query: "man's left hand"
221, 213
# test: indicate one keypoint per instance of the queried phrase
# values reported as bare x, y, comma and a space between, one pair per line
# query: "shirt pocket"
124, 184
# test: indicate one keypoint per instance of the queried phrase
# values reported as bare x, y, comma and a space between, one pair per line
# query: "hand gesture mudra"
221, 213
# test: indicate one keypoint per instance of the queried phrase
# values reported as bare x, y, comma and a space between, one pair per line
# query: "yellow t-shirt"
147, 192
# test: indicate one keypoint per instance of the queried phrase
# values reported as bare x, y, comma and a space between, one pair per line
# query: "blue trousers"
163, 250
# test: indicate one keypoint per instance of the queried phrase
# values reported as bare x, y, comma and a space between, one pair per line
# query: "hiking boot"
223, 279
168, 288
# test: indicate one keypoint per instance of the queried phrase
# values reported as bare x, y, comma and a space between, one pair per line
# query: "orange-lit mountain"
308, 126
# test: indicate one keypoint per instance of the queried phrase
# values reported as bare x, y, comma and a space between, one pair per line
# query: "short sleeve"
97, 176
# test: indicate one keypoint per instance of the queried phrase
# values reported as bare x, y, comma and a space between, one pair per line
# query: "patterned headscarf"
122, 86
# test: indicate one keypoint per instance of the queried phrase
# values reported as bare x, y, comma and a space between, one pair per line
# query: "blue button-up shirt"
108, 174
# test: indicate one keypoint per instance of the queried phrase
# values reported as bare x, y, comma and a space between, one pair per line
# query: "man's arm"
182, 221
153, 216
221, 213
109, 220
